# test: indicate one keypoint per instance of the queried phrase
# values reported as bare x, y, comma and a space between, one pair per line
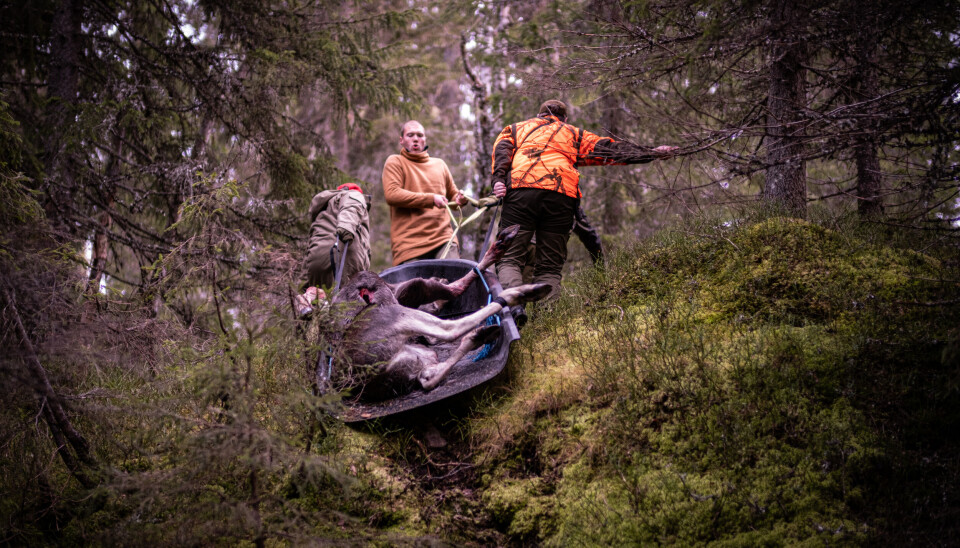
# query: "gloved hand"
344, 234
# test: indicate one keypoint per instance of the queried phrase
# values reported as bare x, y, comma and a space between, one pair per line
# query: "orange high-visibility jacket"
544, 153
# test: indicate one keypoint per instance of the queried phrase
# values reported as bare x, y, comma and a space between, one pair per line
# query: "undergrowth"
775, 382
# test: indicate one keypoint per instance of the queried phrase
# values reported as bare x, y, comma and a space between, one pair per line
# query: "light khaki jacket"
332, 209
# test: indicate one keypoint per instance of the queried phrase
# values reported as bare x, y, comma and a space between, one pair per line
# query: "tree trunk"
487, 113
786, 185
611, 191
62, 86
483, 134
101, 240
101, 247
869, 176
483, 127
870, 202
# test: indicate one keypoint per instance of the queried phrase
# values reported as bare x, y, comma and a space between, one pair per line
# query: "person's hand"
439, 200
665, 151
499, 189
461, 199
344, 234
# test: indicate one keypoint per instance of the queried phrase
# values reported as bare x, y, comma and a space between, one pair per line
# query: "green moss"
731, 380
521, 507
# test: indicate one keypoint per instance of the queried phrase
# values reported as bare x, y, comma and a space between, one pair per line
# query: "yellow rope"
457, 225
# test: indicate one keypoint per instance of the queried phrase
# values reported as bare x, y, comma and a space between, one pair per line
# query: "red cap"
350, 186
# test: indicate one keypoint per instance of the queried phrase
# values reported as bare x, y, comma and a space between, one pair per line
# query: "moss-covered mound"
774, 383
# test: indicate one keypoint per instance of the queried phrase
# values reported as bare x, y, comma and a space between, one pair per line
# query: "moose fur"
384, 336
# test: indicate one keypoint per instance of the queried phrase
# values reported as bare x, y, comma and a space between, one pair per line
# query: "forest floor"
749, 385
774, 382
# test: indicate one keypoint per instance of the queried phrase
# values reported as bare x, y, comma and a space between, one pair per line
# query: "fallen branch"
65, 435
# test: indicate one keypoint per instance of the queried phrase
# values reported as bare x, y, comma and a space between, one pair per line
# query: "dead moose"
383, 342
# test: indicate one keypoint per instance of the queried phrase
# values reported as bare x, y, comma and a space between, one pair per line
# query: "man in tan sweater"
417, 188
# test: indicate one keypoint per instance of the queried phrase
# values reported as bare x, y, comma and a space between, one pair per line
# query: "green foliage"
221, 443
644, 408
726, 436
18, 204
730, 382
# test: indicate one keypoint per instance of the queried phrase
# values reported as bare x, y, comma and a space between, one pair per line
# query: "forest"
769, 354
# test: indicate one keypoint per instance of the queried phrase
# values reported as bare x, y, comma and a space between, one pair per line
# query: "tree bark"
62, 87
101, 240
486, 112
611, 192
786, 186
870, 201
101, 247
483, 127
869, 176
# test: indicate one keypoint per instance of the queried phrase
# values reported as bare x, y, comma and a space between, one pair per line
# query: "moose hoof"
504, 238
431, 377
525, 293
508, 234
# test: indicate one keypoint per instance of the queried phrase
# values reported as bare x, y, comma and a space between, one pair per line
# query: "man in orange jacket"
534, 170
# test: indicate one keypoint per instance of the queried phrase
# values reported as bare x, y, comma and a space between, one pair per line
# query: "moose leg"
504, 238
412, 322
416, 292
433, 375
419, 291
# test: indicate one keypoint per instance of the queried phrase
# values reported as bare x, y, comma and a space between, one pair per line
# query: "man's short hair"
554, 107
404, 125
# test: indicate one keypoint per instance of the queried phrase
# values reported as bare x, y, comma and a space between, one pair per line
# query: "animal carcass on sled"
394, 357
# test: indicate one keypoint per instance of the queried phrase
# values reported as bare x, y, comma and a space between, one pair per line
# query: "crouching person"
340, 214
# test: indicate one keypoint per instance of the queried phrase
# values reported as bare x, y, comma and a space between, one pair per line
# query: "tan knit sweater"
409, 182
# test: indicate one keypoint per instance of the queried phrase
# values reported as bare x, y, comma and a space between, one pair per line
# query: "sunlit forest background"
157, 158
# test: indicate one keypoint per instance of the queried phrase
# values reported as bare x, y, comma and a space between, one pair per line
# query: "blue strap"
487, 348
483, 281
328, 358
495, 317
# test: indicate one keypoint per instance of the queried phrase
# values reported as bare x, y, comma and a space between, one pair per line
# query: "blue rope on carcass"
487, 348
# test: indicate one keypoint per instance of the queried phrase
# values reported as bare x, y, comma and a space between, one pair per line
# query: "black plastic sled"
475, 368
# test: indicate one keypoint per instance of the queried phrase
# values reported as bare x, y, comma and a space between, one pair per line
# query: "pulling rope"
458, 225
